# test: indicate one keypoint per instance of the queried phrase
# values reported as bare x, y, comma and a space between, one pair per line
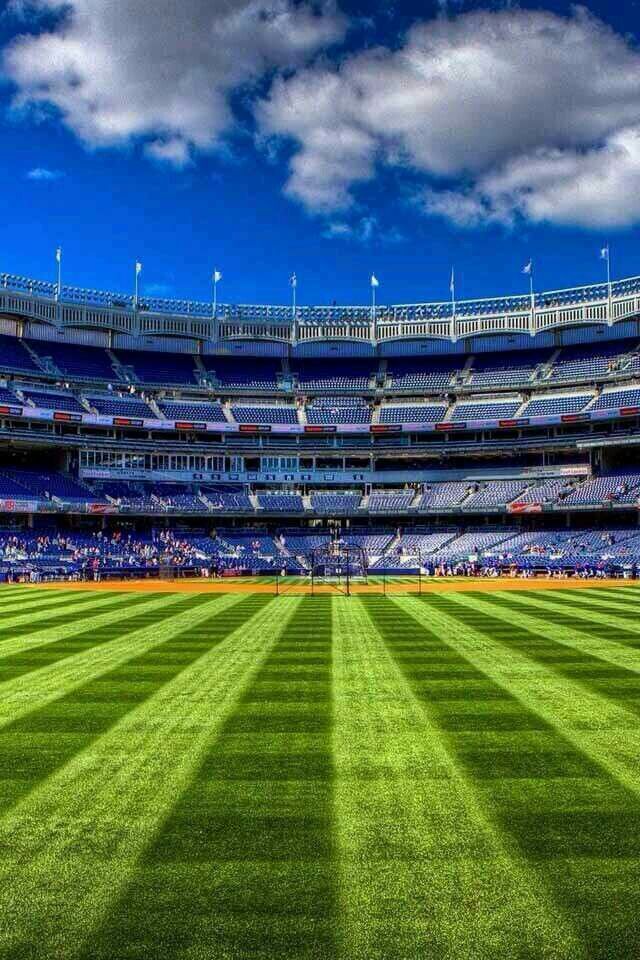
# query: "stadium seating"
424, 374
624, 488
552, 406
338, 410
334, 375
373, 544
158, 368
15, 358
609, 400
390, 501
550, 491
506, 369
281, 502
412, 550
236, 373
226, 501
476, 542
494, 410
264, 414
8, 396
46, 484
339, 503
591, 362
114, 406
416, 413
183, 410
75, 362
53, 401
495, 494
444, 495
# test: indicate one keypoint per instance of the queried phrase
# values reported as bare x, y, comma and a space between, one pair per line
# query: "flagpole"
609, 289
533, 302
453, 304
59, 260
137, 274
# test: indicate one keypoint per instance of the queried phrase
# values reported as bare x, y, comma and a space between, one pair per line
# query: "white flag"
528, 268
217, 276
452, 285
374, 280
293, 280
138, 267
59, 254
604, 253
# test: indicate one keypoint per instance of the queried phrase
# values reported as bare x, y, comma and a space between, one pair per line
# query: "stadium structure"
141, 434
352, 672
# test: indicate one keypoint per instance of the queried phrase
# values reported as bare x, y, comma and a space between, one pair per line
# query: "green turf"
226, 776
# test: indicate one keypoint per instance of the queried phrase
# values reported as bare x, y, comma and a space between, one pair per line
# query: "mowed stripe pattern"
186, 776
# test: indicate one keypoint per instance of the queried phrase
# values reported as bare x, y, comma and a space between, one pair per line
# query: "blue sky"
269, 136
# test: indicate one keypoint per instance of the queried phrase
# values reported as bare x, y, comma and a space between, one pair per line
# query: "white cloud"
594, 189
536, 113
366, 230
44, 174
160, 71
174, 151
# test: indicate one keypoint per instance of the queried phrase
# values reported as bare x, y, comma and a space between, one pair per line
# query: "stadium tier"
264, 414
233, 373
156, 368
119, 406
422, 435
181, 410
417, 413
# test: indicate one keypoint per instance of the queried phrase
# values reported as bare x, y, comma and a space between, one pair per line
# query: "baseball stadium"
320, 626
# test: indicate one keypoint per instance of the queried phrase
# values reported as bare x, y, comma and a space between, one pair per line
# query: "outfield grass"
227, 776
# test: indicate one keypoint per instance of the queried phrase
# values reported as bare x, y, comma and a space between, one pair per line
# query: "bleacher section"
225, 501
422, 374
326, 504
158, 368
264, 414
338, 410
78, 363
54, 401
235, 373
554, 405
444, 495
460, 496
199, 412
485, 411
45, 484
114, 406
475, 543
390, 501
550, 491
609, 400
8, 396
514, 368
495, 494
334, 375
281, 502
624, 488
591, 362
417, 413
15, 358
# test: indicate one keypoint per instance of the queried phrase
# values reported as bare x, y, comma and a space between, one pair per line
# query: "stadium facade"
493, 433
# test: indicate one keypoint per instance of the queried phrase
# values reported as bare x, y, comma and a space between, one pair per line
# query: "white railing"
41, 301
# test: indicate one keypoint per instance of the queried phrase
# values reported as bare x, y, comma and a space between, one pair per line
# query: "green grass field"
225, 776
